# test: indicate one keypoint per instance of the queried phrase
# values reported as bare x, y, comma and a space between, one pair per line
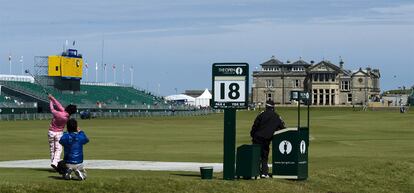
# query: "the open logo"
239, 70
302, 147
285, 147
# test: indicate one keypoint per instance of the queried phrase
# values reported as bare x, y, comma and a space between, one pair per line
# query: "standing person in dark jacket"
72, 142
264, 126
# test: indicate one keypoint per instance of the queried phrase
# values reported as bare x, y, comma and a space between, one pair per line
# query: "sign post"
230, 92
300, 96
291, 146
229, 142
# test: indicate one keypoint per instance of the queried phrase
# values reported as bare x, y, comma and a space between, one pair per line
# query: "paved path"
119, 165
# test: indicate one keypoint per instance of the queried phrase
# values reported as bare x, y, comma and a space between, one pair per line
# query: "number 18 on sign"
230, 85
230, 92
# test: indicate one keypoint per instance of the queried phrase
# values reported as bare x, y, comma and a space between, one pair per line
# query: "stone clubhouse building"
329, 84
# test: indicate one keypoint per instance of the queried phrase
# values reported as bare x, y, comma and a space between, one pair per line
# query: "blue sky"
172, 44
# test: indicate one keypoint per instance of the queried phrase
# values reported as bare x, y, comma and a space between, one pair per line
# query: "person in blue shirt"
72, 142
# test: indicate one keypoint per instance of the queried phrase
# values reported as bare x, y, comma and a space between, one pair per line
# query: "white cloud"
407, 9
396, 14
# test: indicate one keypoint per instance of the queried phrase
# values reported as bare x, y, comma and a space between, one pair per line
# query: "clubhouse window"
321, 77
345, 85
321, 96
349, 98
269, 96
269, 83
296, 83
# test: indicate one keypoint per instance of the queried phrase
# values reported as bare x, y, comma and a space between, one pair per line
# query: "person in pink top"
60, 117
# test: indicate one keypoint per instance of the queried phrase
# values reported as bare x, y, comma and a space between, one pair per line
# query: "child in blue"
72, 142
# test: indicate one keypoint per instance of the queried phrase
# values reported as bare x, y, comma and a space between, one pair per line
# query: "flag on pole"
130, 70
86, 69
21, 63
123, 71
104, 73
96, 71
113, 69
10, 64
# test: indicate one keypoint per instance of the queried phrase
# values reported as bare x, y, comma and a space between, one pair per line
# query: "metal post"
310, 99
229, 144
308, 110
298, 110
283, 86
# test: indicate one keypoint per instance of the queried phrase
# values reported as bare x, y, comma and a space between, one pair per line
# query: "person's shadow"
55, 177
44, 170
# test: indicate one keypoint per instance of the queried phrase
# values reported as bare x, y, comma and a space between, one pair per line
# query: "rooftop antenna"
341, 62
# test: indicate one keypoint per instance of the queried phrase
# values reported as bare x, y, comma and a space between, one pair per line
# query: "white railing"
48, 116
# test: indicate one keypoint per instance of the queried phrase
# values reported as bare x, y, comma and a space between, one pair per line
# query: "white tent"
181, 98
204, 99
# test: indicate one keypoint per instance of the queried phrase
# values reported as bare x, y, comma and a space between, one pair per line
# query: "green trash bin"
290, 153
206, 172
248, 161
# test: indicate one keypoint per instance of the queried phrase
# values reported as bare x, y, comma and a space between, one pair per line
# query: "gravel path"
119, 165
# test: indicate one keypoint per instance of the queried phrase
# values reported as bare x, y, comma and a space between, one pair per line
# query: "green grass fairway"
350, 151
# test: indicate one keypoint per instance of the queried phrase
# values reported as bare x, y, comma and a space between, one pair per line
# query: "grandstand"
91, 96
61, 76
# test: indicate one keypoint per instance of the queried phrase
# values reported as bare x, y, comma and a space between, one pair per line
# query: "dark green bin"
290, 153
248, 161
206, 172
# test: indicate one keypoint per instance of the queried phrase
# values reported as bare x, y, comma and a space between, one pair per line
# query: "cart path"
119, 165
